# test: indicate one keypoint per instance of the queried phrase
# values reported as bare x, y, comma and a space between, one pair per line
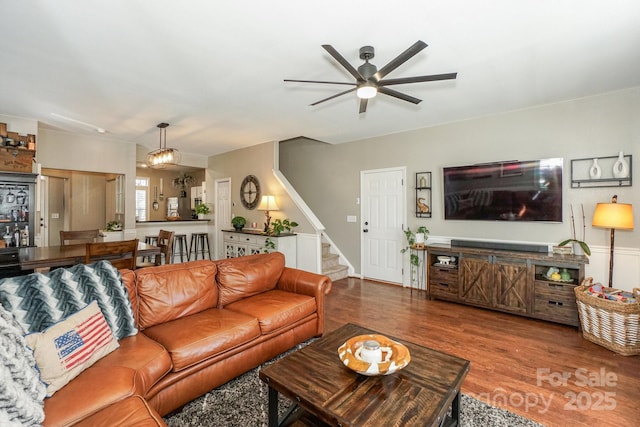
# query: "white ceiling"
214, 70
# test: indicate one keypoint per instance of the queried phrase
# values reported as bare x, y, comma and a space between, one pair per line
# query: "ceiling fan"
370, 80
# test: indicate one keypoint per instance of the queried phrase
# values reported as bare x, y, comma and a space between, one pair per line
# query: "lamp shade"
268, 203
618, 216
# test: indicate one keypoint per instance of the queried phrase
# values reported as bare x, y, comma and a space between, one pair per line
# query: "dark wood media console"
510, 281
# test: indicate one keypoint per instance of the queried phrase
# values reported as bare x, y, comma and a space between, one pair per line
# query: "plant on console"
238, 222
573, 239
202, 209
279, 226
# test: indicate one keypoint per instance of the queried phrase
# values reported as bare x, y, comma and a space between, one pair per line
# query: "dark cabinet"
509, 281
17, 209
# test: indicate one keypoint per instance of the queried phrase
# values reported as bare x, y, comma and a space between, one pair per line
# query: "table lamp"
616, 216
268, 203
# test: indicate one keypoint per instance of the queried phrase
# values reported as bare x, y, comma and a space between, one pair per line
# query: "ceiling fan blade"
399, 95
319, 81
400, 59
343, 62
334, 96
363, 105
418, 79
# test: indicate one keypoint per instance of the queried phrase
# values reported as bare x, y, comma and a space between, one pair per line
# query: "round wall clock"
250, 192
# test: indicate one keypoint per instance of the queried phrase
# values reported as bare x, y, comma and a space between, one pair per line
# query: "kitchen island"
185, 226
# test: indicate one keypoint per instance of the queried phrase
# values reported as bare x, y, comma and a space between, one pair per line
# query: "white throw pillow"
70, 346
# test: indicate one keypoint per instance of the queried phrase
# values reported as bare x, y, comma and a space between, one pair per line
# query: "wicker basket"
611, 324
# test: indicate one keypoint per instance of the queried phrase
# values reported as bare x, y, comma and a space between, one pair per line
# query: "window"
142, 196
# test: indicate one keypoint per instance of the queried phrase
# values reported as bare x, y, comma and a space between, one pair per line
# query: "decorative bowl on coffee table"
394, 356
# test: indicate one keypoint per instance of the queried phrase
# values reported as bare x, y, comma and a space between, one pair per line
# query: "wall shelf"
423, 195
581, 178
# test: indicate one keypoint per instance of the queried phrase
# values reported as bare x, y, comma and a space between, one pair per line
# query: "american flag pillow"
67, 348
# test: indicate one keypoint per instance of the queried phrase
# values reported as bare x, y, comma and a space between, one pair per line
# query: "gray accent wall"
328, 176
257, 160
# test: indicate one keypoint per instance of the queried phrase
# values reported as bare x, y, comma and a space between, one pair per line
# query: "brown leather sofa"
201, 324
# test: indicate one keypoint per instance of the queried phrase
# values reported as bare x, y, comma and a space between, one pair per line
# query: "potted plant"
415, 238
202, 209
238, 222
579, 246
279, 226
421, 235
114, 226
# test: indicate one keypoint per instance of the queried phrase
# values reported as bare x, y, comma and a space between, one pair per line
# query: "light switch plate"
352, 218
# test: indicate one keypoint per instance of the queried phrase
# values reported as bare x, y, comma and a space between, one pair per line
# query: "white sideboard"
238, 243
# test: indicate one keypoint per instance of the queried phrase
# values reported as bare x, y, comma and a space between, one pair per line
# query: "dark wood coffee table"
319, 384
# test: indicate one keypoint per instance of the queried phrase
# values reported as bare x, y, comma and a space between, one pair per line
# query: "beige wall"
91, 153
327, 176
258, 161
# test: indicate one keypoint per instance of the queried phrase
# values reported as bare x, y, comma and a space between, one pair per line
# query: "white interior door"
222, 213
383, 213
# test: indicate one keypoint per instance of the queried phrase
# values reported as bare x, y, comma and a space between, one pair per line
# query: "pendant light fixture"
163, 156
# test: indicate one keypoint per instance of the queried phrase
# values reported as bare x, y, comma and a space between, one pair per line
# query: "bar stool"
180, 244
150, 240
197, 245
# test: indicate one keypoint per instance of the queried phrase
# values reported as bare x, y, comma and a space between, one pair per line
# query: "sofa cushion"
21, 391
133, 368
128, 278
275, 309
93, 390
133, 411
39, 300
248, 275
171, 291
67, 348
147, 358
192, 339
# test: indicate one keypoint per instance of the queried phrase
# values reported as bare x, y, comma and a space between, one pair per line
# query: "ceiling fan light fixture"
163, 156
367, 91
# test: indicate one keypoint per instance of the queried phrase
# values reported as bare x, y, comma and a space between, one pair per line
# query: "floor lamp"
616, 216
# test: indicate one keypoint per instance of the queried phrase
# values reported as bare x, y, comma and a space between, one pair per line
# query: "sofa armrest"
304, 282
307, 283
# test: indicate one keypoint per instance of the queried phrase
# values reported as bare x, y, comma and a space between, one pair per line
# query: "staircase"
331, 264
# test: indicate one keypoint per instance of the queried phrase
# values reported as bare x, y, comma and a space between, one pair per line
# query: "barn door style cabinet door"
476, 284
495, 283
512, 286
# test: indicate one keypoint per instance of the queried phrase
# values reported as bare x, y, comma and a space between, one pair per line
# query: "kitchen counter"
180, 221
187, 227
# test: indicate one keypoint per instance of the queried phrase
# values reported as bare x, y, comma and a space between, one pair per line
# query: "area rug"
243, 402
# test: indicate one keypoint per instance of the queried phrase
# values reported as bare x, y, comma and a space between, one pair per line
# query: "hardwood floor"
540, 370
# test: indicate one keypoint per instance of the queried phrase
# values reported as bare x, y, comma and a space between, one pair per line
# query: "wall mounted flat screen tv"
505, 191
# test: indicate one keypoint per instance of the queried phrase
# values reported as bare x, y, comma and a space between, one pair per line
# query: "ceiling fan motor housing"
367, 52
367, 70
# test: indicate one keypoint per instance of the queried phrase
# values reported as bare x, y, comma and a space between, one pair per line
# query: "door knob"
366, 230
